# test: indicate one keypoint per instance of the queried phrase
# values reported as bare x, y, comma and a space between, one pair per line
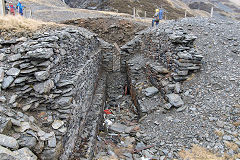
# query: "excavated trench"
116, 102
68, 94
146, 78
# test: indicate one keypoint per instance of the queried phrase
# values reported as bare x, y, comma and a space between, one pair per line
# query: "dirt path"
54, 11
57, 11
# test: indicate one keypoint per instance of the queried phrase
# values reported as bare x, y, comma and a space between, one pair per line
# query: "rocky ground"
215, 90
211, 96
172, 92
209, 112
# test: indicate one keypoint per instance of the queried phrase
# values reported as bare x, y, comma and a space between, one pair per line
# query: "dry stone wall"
172, 48
157, 61
48, 82
47, 85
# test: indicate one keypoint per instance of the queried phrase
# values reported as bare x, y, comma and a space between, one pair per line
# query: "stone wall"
48, 82
171, 47
159, 59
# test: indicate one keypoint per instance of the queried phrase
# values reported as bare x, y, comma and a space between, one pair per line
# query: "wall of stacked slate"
47, 85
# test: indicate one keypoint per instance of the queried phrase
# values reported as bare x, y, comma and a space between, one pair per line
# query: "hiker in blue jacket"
20, 8
157, 17
160, 14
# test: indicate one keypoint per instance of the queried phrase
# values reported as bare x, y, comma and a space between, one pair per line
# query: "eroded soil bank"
112, 30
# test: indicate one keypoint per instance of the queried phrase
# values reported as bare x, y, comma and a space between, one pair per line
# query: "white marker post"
25, 13
2, 7
30, 13
185, 13
137, 15
134, 12
211, 12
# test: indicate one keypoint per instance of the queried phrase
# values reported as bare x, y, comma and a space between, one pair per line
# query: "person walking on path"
156, 18
20, 8
11, 9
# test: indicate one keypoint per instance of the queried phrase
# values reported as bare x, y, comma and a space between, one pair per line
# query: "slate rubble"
209, 116
55, 79
184, 57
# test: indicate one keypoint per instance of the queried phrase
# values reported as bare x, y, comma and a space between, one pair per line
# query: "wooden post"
145, 14
137, 15
30, 13
18, 11
211, 12
185, 13
2, 7
25, 13
134, 12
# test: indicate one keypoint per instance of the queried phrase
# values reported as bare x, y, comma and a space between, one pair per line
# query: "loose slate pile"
40, 79
211, 115
157, 62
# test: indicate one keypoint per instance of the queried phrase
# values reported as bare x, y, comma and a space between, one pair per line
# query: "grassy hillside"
222, 8
20, 26
126, 6
149, 6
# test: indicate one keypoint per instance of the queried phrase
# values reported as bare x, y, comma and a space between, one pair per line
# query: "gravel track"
56, 11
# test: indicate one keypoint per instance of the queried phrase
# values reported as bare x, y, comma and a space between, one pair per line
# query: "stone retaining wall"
171, 47
158, 59
48, 82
